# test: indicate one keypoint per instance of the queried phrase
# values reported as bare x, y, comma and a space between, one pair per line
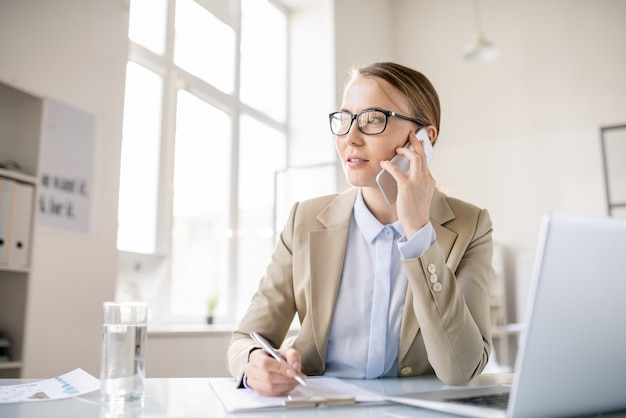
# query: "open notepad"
327, 391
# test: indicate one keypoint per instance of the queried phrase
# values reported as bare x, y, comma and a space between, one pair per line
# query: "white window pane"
262, 153
147, 23
263, 57
200, 233
204, 45
139, 172
299, 183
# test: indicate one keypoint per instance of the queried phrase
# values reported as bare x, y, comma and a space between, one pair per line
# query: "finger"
263, 368
418, 150
272, 386
393, 169
292, 357
409, 159
264, 361
269, 364
264, 375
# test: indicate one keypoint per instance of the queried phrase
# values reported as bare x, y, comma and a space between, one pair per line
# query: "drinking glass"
122, 369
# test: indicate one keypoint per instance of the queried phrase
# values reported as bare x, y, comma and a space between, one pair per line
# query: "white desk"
194, 397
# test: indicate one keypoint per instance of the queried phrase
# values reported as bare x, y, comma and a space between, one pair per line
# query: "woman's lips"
354, 161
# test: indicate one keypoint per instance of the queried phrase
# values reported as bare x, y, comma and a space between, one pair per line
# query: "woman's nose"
353, 137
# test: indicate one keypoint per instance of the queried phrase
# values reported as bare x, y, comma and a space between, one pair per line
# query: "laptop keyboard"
496, 400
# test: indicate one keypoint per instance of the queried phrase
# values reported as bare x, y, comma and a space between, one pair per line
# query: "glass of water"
122, 369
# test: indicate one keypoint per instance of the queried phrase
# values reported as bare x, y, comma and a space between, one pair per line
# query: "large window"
204, 134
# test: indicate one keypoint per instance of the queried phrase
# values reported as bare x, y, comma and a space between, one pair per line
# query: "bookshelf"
21, 116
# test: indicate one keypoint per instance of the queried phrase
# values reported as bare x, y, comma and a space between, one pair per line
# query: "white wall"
73, 51
519, 136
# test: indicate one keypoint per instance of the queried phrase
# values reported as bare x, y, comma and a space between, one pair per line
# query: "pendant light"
479, 49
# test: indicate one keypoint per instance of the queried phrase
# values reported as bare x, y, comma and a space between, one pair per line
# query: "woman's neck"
375, 202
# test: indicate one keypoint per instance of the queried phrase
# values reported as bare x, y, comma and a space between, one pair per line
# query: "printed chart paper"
75, 383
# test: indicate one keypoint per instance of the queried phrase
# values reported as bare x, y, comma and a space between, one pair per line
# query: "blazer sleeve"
272, 307
449, 286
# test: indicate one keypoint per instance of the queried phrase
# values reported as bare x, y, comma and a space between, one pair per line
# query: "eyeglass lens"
370, 122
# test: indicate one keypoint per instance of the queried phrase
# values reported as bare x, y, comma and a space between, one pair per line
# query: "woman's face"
361, 154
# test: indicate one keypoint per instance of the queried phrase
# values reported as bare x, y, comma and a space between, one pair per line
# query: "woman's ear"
432, 133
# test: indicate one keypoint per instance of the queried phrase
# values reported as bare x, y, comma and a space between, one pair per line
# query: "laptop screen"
572, 359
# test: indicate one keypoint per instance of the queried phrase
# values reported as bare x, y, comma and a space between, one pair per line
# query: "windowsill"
196, 330
509, 329
188, 330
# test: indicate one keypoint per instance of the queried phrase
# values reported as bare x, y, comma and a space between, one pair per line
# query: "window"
205, 131
140, 160
204, 45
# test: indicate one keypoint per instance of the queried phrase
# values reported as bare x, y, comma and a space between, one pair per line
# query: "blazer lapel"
327, 247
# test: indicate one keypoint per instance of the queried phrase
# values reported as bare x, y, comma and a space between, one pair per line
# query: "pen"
271, 351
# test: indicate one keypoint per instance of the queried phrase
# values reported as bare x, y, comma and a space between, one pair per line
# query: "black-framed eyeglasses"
369, 121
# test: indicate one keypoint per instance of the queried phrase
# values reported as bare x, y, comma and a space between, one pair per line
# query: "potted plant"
211, 305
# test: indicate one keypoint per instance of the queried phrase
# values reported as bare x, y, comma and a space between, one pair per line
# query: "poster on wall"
66, 168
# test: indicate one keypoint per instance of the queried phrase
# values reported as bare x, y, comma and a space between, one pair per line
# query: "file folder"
20, 225
7, 188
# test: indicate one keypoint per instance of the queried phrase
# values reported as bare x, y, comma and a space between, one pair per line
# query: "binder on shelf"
6, 205
19, 244
5, 345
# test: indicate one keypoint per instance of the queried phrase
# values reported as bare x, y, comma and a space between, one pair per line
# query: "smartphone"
386, 182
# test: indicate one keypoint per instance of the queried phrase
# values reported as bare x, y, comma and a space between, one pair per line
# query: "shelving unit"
21, 116
504, 333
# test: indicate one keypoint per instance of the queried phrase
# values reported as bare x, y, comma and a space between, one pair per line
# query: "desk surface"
194, 397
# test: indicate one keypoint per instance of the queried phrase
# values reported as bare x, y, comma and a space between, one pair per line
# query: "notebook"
572, 354
320, 391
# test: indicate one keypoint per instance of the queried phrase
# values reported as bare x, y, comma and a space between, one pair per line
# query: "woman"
380, 290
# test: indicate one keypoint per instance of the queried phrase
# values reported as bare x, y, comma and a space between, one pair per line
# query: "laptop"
572, 354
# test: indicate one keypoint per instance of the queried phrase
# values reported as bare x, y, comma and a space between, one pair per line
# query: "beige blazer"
446, 322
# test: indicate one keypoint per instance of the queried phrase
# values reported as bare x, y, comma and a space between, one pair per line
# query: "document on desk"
327, 391
74, 383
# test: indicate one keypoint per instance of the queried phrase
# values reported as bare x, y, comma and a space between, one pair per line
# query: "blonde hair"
419, 91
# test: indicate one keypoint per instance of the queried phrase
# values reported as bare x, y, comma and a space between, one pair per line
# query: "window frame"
174, 79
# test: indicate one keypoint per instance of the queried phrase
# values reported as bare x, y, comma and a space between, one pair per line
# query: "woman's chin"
354, 182
360, 182
360, 176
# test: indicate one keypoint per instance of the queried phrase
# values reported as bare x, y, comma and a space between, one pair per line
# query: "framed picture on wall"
614, 161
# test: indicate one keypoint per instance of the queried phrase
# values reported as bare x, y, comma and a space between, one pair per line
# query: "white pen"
271, 351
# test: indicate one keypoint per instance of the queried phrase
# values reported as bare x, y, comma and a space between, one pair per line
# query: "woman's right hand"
270, 377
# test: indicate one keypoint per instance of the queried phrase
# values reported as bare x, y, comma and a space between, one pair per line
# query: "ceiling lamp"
479, 49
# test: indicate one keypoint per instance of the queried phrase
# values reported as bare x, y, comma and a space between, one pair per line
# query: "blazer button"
437, 287
433, 278
432, 268
405, 370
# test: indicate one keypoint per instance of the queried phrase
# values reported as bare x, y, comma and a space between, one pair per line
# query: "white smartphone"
386, 182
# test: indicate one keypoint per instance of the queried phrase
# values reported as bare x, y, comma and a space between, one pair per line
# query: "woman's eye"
373, 119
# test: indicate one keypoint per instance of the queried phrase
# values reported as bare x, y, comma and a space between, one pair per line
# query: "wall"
188, 351
519, 136
73, 51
